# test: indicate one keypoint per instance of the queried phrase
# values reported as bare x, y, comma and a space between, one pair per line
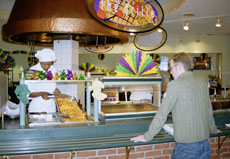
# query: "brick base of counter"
156, 151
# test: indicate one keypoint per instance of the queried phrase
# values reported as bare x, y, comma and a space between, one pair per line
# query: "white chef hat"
45, 55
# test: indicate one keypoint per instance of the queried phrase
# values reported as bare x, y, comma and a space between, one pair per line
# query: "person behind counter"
41, 91
187, 97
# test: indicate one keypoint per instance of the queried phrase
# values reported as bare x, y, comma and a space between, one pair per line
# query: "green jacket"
188, 99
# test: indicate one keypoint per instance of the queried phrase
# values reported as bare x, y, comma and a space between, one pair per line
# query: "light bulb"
159, 30
186, 26
218, 23
131, 34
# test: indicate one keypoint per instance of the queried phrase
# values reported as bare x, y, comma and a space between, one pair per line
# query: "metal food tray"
41, 118
127, 111
62, 116
50, 119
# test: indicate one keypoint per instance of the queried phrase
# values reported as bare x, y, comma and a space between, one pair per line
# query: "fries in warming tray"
71, 109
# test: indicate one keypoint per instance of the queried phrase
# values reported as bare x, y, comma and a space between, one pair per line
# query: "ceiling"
201, 24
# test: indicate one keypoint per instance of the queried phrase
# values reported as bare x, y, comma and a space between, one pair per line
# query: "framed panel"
99, 49
131, 16
200, 63
152, 40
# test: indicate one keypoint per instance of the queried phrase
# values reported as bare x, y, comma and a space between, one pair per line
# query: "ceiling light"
131, 34
159, 30
189, 14
186, 26
218, 23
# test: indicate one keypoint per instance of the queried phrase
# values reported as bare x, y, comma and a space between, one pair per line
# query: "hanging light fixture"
218, 23
131, 34
186, 25
159, 30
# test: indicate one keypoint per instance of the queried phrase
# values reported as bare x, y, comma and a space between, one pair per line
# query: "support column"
68, 58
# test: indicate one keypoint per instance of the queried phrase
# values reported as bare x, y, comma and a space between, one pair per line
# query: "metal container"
39, 118
46, 119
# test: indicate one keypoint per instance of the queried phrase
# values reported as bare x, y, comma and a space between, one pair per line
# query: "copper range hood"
42, 21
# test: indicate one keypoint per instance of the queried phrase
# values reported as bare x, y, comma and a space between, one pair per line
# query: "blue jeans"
194, 150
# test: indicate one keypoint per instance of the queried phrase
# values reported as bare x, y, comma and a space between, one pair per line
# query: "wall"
174, 44
156, 151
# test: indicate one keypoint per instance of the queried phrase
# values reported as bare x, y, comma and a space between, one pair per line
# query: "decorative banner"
151, 40
156, 58
9, 61
5, 56
99, 49
101, 56
136, 64
127, 15
87, 67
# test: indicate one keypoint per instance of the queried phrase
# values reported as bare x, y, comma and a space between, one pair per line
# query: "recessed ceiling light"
186, 25
189, 14
218, 23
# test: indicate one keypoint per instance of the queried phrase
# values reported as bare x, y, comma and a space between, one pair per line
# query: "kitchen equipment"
127, 111
12, 109
39, 118
3, 92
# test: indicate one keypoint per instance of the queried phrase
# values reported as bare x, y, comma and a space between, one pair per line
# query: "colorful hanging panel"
136, 64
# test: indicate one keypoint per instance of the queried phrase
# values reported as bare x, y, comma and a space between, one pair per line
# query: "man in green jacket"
187, 97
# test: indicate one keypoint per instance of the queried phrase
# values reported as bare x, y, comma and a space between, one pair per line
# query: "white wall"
174, 44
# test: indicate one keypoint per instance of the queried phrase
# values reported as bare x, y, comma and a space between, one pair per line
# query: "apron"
38, 104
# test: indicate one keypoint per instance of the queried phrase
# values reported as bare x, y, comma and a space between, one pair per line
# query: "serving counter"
74, 137
77, 137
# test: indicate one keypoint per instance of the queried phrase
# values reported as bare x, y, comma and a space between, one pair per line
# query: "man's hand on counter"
139, 138
218, 131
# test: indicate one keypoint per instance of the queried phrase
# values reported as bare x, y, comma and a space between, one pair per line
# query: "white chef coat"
38, 104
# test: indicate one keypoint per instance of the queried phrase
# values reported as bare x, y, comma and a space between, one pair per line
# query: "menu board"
164, 63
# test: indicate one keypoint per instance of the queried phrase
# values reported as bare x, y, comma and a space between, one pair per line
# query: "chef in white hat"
40, 91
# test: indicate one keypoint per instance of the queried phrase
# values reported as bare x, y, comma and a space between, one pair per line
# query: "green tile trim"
133, 80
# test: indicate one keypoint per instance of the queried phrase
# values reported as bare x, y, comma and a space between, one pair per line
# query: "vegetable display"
63, 75
42, 75
49, 75
69, 75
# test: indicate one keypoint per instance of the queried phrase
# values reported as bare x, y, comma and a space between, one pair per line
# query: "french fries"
70, 108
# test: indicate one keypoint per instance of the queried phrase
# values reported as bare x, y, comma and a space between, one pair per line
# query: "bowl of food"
31, 74
28, 74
